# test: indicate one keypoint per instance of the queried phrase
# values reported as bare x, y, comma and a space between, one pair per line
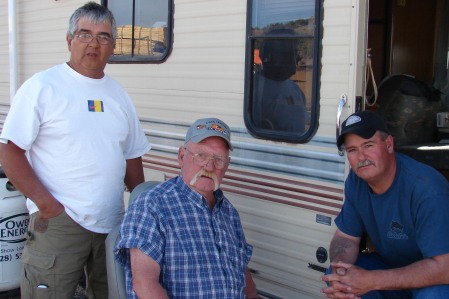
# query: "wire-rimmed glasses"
202, 158
88, 37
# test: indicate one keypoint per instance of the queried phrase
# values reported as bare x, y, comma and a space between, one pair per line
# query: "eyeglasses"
202, 158
87, 38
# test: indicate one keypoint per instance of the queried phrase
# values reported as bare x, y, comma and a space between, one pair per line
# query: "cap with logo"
364, 124
208, 127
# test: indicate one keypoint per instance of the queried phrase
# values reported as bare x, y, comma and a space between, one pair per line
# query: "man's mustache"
205, 173
365, 163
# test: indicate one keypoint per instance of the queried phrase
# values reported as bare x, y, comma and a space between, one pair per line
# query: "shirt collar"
194, 196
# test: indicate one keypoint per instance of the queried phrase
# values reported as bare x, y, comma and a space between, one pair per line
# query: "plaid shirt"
202, 253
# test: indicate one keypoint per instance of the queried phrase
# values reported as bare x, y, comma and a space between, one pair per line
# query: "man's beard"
205, 173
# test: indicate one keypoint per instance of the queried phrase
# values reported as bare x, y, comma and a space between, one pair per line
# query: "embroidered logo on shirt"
397, 231
95, 106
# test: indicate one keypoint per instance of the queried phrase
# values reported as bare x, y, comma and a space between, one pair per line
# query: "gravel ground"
80, 293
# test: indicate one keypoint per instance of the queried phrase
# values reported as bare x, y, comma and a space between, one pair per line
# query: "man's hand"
336, 289
346, 281
50, 211
22, 176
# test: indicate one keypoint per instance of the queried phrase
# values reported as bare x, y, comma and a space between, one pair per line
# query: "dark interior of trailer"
408, 53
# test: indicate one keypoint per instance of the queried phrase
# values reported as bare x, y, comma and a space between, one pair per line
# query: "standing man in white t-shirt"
69, 143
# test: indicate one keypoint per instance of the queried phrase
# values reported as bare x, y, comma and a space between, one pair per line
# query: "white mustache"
364, 163
205, 173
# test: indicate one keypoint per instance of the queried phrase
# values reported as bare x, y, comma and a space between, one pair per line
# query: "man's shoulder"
415, 169
160, 192
47, 74
169, 186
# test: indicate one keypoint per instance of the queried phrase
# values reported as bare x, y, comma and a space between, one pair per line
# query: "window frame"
283, 136
132, 59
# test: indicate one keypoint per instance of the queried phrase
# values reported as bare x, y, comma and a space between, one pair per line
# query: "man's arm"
250, 291
423, 273
357, 281
134, 173
145, 276
23, 177
344, 248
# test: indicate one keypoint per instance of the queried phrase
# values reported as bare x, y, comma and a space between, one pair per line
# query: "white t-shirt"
78, 132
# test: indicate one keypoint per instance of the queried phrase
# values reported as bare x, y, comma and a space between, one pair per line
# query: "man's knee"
437, 291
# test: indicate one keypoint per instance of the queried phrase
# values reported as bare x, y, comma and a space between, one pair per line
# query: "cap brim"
362, 132
199, 138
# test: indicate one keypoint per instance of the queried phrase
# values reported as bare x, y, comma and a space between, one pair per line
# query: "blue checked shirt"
202, 253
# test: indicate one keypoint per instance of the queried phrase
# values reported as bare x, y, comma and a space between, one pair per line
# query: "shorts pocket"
37, 259
38, 281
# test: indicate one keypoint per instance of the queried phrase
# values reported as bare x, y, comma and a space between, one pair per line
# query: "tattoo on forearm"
339, 247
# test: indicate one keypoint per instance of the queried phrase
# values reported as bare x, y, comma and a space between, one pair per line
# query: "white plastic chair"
116, 273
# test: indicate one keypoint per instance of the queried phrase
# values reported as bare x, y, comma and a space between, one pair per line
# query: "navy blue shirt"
407, 223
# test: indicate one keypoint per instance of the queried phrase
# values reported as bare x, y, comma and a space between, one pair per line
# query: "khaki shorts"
55, 256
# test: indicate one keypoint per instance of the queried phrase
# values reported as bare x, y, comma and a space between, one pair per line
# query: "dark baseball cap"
208, 127
364, 124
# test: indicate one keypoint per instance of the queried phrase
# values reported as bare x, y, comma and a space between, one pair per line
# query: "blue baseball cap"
364, 124
208, 127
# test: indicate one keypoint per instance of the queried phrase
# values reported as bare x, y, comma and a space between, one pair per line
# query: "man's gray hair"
383, 135
94, 12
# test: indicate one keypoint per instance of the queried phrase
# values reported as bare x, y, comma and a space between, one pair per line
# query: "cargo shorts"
56, 254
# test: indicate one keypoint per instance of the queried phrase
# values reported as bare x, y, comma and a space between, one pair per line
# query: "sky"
281, 11
265, 12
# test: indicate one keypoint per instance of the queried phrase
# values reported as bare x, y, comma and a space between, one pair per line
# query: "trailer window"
282, 69
144, 30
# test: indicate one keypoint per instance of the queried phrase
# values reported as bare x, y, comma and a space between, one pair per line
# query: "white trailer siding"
4, 56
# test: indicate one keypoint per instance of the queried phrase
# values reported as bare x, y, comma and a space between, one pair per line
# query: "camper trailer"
283, 74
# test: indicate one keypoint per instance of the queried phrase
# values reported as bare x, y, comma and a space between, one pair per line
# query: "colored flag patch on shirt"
95, 106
